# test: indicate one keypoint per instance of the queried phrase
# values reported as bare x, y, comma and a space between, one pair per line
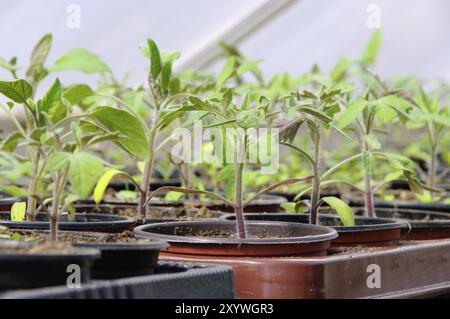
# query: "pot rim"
328, 234
113, 219
421, 223
385, 223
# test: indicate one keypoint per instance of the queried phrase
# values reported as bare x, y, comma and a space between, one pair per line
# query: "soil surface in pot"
219, 238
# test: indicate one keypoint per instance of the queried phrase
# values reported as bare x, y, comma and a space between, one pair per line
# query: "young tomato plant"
21, 91
433, 116
243, 120
315, 109
167, 103
361, 116
60, 138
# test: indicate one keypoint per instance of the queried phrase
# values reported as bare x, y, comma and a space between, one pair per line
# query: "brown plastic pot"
267, 239
370, 232
6, 203
417, 270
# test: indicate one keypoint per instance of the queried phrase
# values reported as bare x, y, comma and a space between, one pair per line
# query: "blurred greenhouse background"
288, 35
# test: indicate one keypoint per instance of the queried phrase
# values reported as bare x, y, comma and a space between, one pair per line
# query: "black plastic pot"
83, 222
290, 196
157, 214
218, 238
408, 205
367, 231
423, 225
23, 270
123, 260
266, 203
170, 281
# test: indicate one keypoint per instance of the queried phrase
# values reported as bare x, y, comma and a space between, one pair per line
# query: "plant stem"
32, 188
239, 201
315, 195
146, 176
55, 208
370, 208
60, 183
432, 167
368, 190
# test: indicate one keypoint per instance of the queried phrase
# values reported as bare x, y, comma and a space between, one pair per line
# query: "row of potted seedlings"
85, 204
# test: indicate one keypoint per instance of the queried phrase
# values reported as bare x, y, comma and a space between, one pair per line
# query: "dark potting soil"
360, 249
43, 248
182, 213
189, 232
126, 237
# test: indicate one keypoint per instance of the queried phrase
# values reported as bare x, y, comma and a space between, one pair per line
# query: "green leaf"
80, 60
38, 57
10, 143
289, 207
344, 211
56, 161
173, 196
52, 103
126, 195
18, 211
351, 113
7, 65
155, 58
84, 172
373, 142
321, 116
227, 71
76, 93
104, 181
134, 139
372, 48
14, 191
249, 118
166, 74
18, 91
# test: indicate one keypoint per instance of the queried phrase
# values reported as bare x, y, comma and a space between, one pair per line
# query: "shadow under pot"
370, 232
219, 238
422, 225
83, 222
24, 265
